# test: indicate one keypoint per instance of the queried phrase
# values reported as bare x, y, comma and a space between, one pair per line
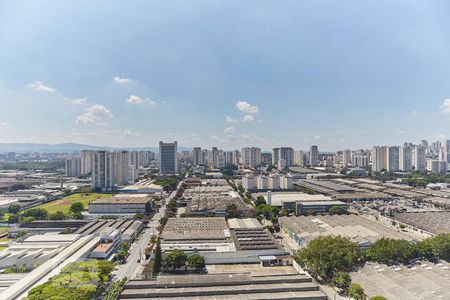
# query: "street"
137, 249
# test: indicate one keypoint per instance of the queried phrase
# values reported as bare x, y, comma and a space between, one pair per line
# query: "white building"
274, 182
393, 159
251, 156
419, 158
73, 166
262, 183
248, 182
437, 166
405, 158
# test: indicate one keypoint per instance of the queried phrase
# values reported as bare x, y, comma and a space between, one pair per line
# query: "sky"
337, 74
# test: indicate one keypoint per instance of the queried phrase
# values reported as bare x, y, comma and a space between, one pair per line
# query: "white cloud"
401, 132
78, 101
317, 136
246, 107
133, 99
40, 87
251, 137
445, 107
96, 114
231, 120
229, 130
248, 118
414, 112
120, 80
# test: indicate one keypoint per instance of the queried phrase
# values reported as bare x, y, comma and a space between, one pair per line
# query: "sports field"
65, 203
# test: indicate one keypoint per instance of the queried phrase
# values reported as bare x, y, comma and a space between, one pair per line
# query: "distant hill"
68, 147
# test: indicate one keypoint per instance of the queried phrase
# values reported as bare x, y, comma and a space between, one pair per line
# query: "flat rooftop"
361, 230
434, 222
194, 229
128, 199
279, 197
236, 283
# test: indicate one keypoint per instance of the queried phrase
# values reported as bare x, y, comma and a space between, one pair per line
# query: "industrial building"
299, 202
249, 281
426, 223
239, 241
121, 205
360, 230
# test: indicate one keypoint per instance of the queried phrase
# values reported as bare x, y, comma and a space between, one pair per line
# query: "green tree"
58, 215
324, 256
76, 207
391, 251
196, 261
158, 258
356, 291
341, 280
337, 210
264, 210
175, 259
36, 213
260, 200
378, 298
14, 209
231, 211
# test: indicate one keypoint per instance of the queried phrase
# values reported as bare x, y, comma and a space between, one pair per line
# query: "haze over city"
337, 74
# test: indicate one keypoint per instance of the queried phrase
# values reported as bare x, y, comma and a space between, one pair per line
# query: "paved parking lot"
423, 280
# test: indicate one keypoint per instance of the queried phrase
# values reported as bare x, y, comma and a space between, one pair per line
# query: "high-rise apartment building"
393, 159
275, 156
379, 158
287, 153
419, 158
168, 158
251, 156
86, 162
197, 156
347, 157
102, 177
73, 166
405, 158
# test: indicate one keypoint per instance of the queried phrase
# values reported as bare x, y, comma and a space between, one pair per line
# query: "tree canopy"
325, 256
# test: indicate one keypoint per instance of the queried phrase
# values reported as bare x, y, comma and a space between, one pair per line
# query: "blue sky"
226, 73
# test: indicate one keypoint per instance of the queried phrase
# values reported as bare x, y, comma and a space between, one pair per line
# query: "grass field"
64, 203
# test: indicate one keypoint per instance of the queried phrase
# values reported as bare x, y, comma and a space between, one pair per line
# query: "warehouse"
362, 231
125, 206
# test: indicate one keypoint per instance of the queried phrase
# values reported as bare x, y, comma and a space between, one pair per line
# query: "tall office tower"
204, 157
168, 158
314, 156
73, 166
379, 158
251, 156
214, 157
236, 157
86, 162
275, 156
120, 166
347, 157
393, 158
419, 157
102, 177
197, 156
287, 153
298, 158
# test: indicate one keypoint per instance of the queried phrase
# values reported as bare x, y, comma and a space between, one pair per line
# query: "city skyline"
289, 78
